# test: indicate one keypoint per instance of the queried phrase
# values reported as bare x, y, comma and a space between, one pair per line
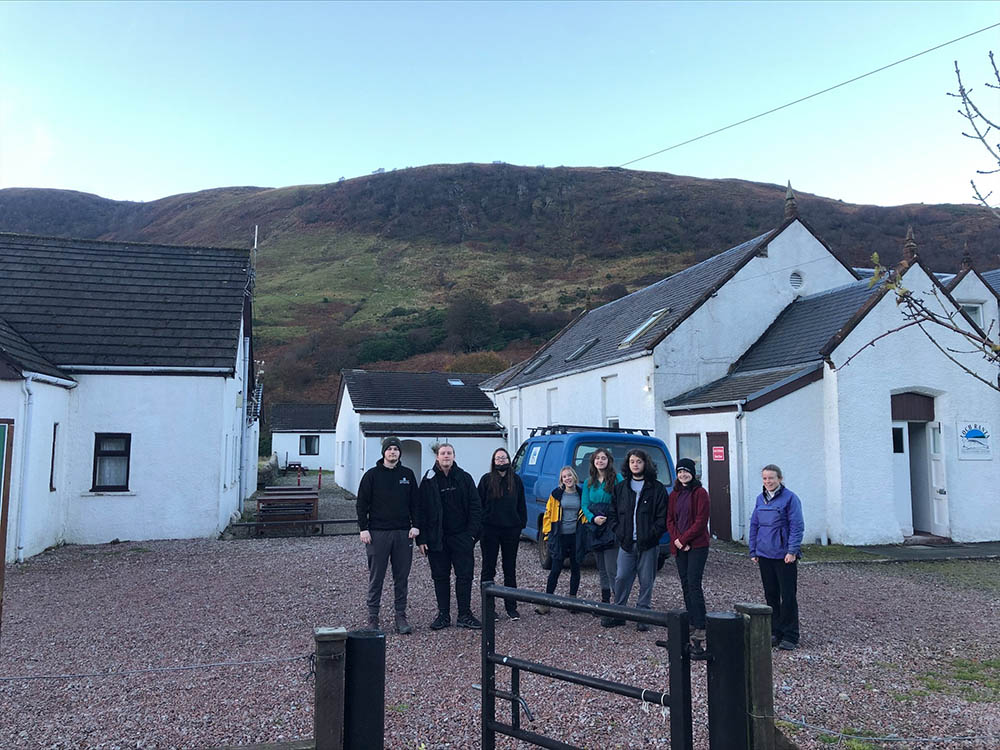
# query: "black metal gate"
678, 700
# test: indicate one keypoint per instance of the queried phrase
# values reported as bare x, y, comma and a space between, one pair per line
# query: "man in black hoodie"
450, 519
387, 506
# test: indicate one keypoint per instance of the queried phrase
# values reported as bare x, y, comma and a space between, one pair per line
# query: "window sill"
108, 493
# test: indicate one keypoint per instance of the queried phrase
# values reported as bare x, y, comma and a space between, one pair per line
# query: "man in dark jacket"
450, 519
387, 507
639, 517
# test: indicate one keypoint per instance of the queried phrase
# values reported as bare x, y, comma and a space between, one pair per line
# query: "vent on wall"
795, 280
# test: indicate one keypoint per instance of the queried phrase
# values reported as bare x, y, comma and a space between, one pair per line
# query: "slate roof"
610, 324
22, 355
303, 417
86, 303
416, 391
433, 429
736, 387
992, 278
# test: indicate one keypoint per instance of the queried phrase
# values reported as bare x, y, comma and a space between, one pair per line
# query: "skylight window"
581, 350
536, 364
455, 381
646, 325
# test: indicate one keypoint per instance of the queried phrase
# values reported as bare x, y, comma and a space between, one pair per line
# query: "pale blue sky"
138, 101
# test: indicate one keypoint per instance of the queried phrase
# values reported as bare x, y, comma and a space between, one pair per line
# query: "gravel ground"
882, 650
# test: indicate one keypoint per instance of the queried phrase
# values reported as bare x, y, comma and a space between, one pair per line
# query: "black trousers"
496, 541
457, 554
780, 581
568, 543
690, 569
388, 546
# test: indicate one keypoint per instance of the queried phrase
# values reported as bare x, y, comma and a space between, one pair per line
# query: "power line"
810, 96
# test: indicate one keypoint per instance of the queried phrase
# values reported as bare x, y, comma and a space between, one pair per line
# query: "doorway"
410, 456
921, 493
720, 510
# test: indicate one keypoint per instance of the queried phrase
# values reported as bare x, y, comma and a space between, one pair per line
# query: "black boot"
606, 596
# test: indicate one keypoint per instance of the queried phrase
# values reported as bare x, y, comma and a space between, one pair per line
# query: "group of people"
619, 518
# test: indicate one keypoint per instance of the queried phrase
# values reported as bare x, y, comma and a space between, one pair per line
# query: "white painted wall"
971, 290
347, 445
286, 445
471, 453
908, 361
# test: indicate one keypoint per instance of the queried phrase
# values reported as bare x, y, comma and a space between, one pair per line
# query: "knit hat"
686, 463
389, 442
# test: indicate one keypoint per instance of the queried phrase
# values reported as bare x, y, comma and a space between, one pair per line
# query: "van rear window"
581, 458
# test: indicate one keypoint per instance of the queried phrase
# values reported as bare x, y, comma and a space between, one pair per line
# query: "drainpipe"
29, 402
739, 469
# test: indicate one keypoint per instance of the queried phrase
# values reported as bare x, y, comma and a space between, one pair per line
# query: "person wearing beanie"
687, 522
387, 509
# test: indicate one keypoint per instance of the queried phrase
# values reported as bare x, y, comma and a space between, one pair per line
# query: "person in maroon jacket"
687, 523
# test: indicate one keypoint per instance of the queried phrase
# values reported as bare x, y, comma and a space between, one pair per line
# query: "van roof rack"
562, 429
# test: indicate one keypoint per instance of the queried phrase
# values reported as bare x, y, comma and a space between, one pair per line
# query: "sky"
141, 100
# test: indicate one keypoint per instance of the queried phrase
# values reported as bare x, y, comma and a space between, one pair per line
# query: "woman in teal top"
596, 504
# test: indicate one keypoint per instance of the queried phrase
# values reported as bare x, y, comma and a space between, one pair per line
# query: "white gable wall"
908, 361
287, 444
348, 444
972, 290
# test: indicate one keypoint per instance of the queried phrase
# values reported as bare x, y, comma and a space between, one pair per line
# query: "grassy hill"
398, 266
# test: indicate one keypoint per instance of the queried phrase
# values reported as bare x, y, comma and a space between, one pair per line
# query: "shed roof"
83, 303
303, 417
417, 391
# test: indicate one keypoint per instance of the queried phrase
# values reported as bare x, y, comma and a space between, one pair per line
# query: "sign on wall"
718, 453
975, 441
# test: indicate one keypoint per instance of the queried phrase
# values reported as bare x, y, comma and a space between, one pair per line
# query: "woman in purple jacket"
775, 545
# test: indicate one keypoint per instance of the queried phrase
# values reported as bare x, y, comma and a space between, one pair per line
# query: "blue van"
548, 449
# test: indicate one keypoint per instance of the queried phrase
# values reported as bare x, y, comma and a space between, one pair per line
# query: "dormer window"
974, 310
646, 325
581, 350
536, 364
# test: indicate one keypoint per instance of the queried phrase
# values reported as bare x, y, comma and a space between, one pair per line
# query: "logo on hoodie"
404, 480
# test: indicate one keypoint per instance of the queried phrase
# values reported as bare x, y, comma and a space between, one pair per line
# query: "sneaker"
469, 620
402, 626
542, 609
642, 627
513, 614
373, 624
441, 621
775, 640
611, 622
786, 645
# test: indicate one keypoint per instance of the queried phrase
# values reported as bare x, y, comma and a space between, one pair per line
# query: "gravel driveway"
885, 650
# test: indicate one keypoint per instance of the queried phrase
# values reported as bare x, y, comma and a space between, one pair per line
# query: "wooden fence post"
328, 708
760, 678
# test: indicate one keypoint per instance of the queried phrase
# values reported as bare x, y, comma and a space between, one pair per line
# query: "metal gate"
678, 700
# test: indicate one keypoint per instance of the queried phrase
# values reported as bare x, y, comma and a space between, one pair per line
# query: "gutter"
144, 370
29, 402
50, 379
739, 469
707, 405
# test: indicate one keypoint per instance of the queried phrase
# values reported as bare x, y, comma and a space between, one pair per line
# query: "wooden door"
721, 517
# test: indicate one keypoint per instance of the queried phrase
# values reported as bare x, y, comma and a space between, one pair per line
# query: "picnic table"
288, 504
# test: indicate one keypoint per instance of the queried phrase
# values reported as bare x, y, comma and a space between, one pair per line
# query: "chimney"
966, 258
909, 249
791, 208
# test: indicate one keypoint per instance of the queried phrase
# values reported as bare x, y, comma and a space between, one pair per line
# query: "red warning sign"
718, 453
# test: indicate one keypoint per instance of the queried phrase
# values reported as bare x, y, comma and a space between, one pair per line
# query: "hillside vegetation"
412, 268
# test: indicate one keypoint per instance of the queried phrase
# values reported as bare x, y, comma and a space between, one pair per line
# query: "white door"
939, 486
902, 492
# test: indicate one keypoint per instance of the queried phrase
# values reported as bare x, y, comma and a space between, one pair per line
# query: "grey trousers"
388, 546
631, 564
607, 567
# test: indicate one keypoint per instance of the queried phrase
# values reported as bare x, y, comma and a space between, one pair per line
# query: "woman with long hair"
505, 513
596, 502
687, 521
561, 530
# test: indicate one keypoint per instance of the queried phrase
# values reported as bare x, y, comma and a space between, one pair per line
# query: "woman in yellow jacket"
561, 529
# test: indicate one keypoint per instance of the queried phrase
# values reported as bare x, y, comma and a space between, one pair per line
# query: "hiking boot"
611, 622
373, 623
642, 627
788, 646
402, 626
542, 609
513, 614
443, 620
469, 620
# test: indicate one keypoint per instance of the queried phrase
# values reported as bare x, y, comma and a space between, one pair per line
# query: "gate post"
680, 680
328, 701
364, 699
760, 679
489, 670
728, 725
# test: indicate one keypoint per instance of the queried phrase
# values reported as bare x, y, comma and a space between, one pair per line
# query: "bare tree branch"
982, 126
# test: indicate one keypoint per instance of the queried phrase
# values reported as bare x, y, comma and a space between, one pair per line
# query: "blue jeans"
607, 567
631, 564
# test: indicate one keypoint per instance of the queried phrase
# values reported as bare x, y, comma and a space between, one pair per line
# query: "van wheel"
544, 558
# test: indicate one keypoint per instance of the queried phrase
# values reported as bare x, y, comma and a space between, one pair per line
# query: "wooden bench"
290, 488
295, 466
288, 506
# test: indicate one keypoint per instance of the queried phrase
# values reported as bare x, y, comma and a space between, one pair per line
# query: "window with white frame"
689, 446
975, 311
112, 456
308, 445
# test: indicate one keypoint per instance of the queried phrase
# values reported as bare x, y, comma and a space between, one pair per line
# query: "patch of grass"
970, 679
976, 575
401, 708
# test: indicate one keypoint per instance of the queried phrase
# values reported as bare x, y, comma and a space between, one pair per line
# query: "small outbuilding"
304, 434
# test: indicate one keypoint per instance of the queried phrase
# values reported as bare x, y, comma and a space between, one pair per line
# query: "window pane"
897, 440
581, 457
689, 446
112, 471
115, 444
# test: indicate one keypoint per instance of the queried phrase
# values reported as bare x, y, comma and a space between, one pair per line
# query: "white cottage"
127, 404
304, 434
742, 360
421, 409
